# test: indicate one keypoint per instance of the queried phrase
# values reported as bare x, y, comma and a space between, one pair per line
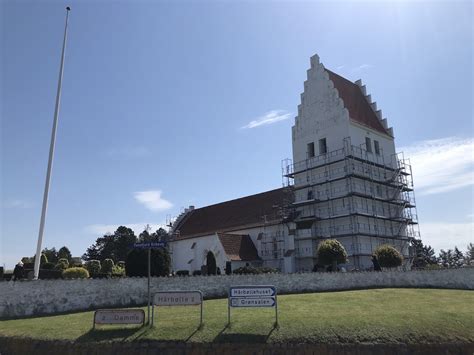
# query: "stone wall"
27, 298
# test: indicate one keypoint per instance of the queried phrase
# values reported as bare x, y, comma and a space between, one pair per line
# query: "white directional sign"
184, 298
119, 316
253, 302
253, 296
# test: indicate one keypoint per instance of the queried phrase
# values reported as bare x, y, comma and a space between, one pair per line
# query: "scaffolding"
353, 193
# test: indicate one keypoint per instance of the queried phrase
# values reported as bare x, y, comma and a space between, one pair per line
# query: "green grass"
369, 316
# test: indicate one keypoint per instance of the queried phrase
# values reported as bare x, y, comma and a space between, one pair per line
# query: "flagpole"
51, 154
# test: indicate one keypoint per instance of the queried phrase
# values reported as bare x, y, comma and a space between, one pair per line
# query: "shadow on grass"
115, 334
224, 337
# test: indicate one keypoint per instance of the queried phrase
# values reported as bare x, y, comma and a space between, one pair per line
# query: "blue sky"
159, 98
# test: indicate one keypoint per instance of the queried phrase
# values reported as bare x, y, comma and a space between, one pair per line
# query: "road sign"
253, 296
119, 316
253, 302
253, 291
149, 245
176, 298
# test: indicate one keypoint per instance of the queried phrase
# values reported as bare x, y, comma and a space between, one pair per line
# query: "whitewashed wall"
182, 253
26, 298
321, 114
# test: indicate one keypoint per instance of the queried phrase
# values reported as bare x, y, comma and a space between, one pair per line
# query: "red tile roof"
227, 216
238, 247
354, 100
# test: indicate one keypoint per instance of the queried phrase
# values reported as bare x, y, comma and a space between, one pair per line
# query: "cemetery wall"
28, 298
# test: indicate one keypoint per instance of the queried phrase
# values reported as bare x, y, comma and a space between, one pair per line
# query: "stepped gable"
356, 103
249, 211
238, 247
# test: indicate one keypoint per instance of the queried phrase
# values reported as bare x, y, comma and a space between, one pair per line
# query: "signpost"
119, 316
253, 296
177, 298
149, 246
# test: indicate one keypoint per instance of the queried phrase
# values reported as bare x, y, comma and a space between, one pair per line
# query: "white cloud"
152, 200
101, 229
447, 235
268, 118
361, 68
17, 203
441, 165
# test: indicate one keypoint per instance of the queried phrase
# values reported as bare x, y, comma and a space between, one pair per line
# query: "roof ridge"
239, 198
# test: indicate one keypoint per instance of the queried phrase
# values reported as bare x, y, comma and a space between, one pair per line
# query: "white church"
345, 182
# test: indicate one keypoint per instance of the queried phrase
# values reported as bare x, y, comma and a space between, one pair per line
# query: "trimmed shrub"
246, 270
121, 264
43, 259
331, 252
118, 271
76, 273
107, 266
93, 266
28, 266
182, 273
388, 256
62, 264
48, 266
197, 273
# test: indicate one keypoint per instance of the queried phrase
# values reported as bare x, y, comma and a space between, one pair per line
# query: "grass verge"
368, 316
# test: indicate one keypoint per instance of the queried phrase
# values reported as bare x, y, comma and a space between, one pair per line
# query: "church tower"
349, 182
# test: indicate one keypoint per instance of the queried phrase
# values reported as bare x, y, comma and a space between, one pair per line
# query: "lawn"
368, 316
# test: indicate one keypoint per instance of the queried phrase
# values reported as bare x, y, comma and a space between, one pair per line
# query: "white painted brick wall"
25, 298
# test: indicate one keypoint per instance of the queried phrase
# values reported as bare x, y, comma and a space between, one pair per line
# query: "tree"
446, 258
469, 255
112, 246
160, 235
331, 252
424, 254
51, 255
64, 253
137, 262
458, 258
107, 266
93, 266
388, 256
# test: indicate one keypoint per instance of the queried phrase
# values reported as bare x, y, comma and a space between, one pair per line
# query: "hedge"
76, 273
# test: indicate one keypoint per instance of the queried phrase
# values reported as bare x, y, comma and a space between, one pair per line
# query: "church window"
377, 147
368, 145
322, 146
310, 150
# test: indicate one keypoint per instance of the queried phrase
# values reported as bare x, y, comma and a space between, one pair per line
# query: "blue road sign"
252, 291
149, 245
